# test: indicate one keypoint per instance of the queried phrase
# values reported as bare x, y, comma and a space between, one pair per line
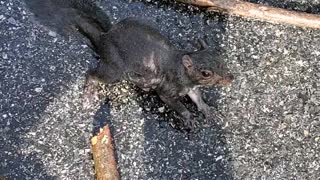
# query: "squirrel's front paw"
90, 94
189, 122
212, 115
207, 111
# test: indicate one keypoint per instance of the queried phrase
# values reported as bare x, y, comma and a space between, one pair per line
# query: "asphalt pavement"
269, 125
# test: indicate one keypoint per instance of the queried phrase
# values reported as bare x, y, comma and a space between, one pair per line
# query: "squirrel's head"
206, 68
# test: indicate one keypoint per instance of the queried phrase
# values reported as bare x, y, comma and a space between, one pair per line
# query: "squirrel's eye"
206, 73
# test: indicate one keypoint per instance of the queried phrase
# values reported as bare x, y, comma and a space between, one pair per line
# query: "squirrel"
134, 50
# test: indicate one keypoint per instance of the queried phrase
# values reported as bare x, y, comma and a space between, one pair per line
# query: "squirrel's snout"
226, 80
229, 77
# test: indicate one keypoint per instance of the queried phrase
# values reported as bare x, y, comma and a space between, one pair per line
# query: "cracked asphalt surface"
271, 114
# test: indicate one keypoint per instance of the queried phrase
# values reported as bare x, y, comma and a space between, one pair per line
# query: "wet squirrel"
134, 50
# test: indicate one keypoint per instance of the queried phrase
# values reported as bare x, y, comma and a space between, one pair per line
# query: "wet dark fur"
134, 50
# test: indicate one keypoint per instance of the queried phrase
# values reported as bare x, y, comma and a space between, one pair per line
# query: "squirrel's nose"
229, 77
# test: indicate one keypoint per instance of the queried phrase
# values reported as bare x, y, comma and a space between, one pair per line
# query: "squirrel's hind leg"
105, 73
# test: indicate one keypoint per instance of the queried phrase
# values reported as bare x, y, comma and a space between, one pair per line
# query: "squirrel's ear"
187, 61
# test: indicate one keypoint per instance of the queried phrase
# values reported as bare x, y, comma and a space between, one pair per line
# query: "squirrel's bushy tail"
64, 16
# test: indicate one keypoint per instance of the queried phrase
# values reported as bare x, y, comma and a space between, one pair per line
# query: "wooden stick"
103, 156
258, 11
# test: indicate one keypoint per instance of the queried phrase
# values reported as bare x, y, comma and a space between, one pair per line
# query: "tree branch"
103, 156
258, 11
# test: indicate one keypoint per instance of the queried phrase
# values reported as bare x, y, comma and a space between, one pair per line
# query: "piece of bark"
258, 11
103, 156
